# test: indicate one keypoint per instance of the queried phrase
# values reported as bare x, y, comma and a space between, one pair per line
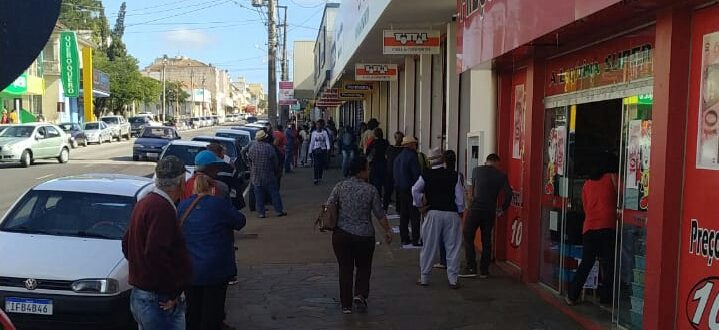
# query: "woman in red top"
599, 197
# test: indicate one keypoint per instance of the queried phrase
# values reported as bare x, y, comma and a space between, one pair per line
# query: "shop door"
556, 206
632, 209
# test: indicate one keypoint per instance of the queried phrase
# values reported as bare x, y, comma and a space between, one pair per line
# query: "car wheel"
73, 144
26, 159
64, 156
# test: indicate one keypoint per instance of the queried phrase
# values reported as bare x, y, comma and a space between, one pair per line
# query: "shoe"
406, 242
569, 301
454, 286
233, 281
484, 275
262, 216
416, 244
439, 265
420, 283
346, 310
468, 273
283, 214
316, 183
360, 304
225, 326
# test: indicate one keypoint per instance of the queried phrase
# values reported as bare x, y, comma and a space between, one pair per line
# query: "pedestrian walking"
353, 241
599, 199
348, 146
160, 269
377, 156
289, 149
368, 135
487, 183
439, 191
5, 119
406, 172
305, 137
264, 172
208, 224
392, 153
319, 146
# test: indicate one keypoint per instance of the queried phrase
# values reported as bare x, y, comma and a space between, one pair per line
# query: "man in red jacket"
155, 249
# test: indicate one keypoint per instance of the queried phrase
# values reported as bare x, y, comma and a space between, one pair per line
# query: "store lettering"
630, 57
69, 65
584, 71
704, 242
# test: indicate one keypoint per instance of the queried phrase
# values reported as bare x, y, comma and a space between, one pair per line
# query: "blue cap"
206, 158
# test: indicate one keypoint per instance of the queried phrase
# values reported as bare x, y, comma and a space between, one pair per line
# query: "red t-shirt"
600, 203
280, 140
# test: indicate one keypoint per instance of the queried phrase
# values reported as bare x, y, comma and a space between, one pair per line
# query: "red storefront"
636, 82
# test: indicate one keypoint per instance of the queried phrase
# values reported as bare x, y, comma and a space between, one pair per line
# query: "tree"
176, 95
117, 47
151, 90
126, 82
85, 15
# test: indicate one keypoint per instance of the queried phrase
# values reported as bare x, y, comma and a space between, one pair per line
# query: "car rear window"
137, 120
158, 133
185, 153
243, 139
64, 213
110, 120
92, 126
18, 131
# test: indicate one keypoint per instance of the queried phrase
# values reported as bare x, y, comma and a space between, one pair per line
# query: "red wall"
514, 171
701, 193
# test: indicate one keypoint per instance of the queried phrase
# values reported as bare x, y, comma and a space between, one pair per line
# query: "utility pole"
192, 93
271, 63
164, 88
203, 95
284, 109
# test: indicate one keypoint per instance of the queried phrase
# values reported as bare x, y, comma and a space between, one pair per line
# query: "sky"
230, 34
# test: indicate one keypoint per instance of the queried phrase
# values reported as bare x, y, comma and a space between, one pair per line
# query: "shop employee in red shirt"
599, 197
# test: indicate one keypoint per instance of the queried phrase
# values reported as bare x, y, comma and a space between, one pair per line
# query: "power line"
180, 14
305, 21
321, 3
194, 29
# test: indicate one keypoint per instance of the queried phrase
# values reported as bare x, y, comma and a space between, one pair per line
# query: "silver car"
27, 142
98, 132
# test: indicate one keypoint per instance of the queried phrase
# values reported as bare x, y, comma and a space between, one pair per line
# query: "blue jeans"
347, 156
289, 157
271, 189
145, 307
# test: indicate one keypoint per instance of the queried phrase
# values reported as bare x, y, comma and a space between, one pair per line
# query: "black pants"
388, 191
484, 220
319, 160
206, 306
597, 243
352, 252
408, 214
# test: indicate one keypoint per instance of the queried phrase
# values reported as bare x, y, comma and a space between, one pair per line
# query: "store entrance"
616, 134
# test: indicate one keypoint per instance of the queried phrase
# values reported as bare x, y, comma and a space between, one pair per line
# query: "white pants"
440, 227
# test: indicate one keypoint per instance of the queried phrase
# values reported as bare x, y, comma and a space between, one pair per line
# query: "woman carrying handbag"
353, 239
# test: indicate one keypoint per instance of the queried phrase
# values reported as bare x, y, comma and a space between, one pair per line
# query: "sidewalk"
288, 280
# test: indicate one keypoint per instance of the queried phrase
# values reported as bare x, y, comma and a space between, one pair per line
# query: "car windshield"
110, 120
18, 131
185, 153
67, 127
136, 120
243, 139
91, 126
66, 213
229, 147
158, 133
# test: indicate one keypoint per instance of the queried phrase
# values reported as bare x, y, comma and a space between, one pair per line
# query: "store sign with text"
376, 72
69, 64
287, 93
356, 87
411, 42
620, 60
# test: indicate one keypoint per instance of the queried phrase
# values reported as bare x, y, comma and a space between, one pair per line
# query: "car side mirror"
177, 137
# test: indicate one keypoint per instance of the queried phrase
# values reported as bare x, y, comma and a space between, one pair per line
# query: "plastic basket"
637, 290
638, 276
637, 304
640, 262
636, 318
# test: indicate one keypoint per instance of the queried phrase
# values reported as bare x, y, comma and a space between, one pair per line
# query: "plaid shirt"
263, 163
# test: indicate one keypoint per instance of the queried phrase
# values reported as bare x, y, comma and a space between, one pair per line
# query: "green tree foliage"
151, 90
117, 47
85, 15
175, 92
127, 85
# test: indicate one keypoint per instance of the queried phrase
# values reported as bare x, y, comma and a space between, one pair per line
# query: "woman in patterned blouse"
353, 240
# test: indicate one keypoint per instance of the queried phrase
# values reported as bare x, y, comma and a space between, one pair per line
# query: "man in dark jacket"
487, 183
406, 172
155, 249
392, 153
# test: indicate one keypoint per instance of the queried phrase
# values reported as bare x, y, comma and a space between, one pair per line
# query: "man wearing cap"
406, 172
159, 263
207, 163
264, 165
439, 191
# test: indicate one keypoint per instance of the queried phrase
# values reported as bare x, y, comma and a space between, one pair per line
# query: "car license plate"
28, 306
152, 154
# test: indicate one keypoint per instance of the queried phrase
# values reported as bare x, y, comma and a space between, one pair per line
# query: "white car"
98, 132
66, 267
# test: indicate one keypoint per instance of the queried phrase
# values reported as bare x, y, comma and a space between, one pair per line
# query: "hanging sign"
351, 96
287, 93
376, 72
69, 64
411, 42
357, 87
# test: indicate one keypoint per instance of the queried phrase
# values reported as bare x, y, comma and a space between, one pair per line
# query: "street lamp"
164, 89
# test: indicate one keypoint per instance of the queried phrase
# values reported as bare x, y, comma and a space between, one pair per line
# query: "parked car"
185, 151
151, 142
120, 127
207, 121
242, 137
138, 123
26, 143
250, 119
68, 270
232, 147
75, 134
196, 122
249, 129
97, 132
3, 127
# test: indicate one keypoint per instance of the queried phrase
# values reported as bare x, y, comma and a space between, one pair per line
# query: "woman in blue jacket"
208, 223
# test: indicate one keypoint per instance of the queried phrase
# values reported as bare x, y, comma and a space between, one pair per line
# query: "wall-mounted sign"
376, 72
100, 81
19, 86
357, 87
287, 93
411, 42
351, 96
69, 64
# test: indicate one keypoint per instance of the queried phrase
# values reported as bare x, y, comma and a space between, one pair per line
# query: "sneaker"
262, 216
233, 281
417, 244
439, 265
484, 275
360, 304
316, 183
282, 214
454, 286
346, 310
468, 273
420, 283
569, 301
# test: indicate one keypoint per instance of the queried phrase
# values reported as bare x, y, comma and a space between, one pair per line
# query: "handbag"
327, 220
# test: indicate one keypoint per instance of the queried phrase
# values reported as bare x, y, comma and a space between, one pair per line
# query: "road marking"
44, 177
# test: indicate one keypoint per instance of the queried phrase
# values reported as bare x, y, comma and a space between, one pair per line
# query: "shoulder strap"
189, 209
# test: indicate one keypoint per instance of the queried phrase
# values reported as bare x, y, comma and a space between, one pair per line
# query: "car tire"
26, 159
64, 156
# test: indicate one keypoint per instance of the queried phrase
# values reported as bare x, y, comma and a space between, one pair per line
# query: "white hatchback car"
62, 265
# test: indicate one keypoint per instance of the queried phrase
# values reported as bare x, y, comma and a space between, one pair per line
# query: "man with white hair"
155, 249
439, 191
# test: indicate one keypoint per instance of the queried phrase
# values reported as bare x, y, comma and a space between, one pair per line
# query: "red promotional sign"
411, 42
376, 72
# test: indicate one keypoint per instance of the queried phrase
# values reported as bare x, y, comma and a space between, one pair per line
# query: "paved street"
115, 157
288, 279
